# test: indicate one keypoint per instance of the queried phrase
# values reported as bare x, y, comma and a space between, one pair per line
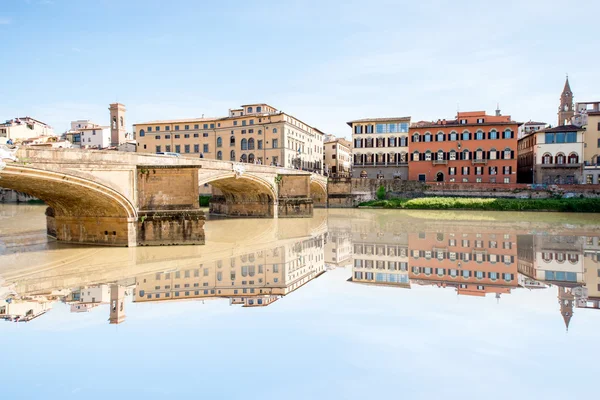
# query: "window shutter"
471, 154
470, 136
512, 154
512, 134
512, 259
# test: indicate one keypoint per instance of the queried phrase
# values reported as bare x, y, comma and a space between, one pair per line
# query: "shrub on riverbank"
446, 203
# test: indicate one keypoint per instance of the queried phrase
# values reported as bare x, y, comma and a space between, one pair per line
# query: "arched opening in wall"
439, 177
318, 194
80, 210
244, 196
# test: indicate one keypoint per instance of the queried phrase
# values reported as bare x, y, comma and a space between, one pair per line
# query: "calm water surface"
348, 304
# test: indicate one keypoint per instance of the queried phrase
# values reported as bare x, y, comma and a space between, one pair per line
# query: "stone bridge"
129, 199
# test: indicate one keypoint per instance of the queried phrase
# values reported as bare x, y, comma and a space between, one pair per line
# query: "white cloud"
5, 21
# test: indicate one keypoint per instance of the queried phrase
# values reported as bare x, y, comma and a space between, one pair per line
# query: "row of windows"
400, 127
560, 137
381, 142
197, 126
440, 178
466, 274
560, 257
560, 159
506, 170
466, 135
399, 158
453, 256
452, 155
381, 277
379, 264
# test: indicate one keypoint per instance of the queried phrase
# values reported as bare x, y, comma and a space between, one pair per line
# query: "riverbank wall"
12, 196
350, 192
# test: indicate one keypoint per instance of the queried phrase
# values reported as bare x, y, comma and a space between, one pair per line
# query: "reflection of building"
566, 301
23, 310
258, 275
380, 147
94, 294
338, 248
558, 260
381, 258
117, 304
255, 132
591, 263
592, 148
473, 263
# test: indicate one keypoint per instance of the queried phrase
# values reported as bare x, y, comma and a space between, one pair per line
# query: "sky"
325, 62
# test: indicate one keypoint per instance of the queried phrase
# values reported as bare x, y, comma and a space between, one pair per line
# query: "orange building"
473, 263
474, 147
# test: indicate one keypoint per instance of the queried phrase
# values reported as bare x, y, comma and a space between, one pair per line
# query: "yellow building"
252, 279
254, 133
591, 153
337, 157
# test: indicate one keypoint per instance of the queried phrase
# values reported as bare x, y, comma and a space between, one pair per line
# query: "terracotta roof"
389, 119
563, 128
455, 123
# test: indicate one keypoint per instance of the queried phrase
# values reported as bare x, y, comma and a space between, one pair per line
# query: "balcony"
478, 161
440, 162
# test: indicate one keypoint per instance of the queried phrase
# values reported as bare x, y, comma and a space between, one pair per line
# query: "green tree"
381, 192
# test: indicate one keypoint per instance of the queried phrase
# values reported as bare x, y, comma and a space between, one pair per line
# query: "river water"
349, 304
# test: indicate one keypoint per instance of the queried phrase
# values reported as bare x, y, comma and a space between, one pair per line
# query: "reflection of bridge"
129, 199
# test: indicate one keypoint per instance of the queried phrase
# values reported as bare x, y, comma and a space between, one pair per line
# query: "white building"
19, 129
95, 294
531, 126
23, 310
559, 155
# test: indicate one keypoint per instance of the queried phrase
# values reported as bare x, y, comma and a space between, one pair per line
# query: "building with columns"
380, 148
254, 133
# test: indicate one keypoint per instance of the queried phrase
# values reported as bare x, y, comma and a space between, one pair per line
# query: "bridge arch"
318, 192
83, 211
244, 195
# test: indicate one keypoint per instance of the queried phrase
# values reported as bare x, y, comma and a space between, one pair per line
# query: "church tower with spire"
566, 301
566, 110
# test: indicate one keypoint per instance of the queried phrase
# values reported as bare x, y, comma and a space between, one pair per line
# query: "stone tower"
117, 124
117, 304
566, 110
566, 301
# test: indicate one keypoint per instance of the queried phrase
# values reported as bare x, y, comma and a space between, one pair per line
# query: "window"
219, 155
187, 148
493, 134
205, 148
274, 130
232, 141
260, 144
479, 135
466, 155
158, 149
167, 128
465, 136
196, 126
507, 170
219, 142
547, 158
232, 155
507, 154
142, 132
428, 155
157, 129
275, 143
571, 137
427, 137
478, 170
549, 138
453, 136
560, 158
493, 154
415, 156
508, 134
507, 180
177, 148
415, 138
196, 135
452, 155
440, 137
212, 126
168, 148
465, 170
149, 129
186, 136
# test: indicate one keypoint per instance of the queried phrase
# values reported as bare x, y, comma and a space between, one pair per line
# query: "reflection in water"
254, 264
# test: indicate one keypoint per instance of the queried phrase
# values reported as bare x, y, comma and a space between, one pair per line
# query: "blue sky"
325, 62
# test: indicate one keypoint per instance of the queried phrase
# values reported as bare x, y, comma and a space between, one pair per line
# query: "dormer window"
463, 121
480, 120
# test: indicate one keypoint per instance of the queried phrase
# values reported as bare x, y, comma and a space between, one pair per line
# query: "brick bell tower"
565, 110
117, 124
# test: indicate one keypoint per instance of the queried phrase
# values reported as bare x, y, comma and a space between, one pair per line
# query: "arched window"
251, 158
114, 122
507, 134
493, 154
251, 144
142, 133
249, 109
415, 156
427, 137
493, 134
547, 158
452, 155
453, 136
219, 142
560, 158
121, 121
232, 155
274, 130
573, 158
219, 155
415, 138
232, 140
465, 154
244, 144
440, 155
507, 154
465, 135
559, 257
440, 137
428, 155
479, 135
244, 158
479, 154
403, 157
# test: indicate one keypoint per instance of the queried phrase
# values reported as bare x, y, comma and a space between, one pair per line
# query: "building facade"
474, 147
591, 155
552, 156
337, 157
19, 129
531, 126
255, 133
380, 148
